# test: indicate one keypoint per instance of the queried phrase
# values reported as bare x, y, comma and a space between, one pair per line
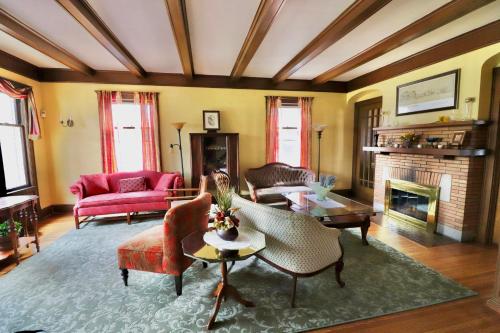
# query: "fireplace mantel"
440, 153
466, 124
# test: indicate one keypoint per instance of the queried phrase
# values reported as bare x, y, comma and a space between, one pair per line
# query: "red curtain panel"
272, 131
305, 104
105, 99
149, 129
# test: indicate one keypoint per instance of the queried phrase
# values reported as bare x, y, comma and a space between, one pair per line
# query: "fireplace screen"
412, 202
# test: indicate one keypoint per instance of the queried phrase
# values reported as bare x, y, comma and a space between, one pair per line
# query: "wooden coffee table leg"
224, 290
364, 230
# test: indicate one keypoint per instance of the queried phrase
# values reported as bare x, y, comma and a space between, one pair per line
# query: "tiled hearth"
459, 178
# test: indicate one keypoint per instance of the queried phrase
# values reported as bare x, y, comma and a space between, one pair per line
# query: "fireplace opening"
411, 202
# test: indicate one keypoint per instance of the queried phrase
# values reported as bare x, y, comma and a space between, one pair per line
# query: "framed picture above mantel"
434, 93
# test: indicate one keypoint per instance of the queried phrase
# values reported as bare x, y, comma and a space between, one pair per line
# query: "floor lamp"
319, 129
178, 127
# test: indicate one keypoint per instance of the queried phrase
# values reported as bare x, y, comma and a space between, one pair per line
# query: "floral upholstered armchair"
296, 244
159, 249
267, 183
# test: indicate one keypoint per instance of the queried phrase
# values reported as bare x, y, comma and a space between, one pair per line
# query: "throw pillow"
166, 182
135, 184
95, 184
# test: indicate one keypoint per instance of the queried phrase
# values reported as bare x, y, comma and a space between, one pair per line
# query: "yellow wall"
41, 146
470, 65
76, 150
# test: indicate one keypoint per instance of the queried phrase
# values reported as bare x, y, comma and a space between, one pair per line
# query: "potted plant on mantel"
225, 223
408, 139
5, 241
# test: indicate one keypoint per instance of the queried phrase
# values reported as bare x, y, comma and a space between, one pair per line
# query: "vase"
229, 235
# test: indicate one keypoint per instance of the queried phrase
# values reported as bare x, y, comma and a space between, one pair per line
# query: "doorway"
366, 117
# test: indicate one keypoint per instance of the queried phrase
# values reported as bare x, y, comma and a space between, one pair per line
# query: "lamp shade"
178, 126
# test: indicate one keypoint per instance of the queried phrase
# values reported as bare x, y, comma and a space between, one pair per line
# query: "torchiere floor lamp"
319, 129
178, 127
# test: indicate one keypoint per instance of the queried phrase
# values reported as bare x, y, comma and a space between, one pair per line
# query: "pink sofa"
109, 200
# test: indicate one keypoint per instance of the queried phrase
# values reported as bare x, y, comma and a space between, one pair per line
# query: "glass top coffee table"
194, 246
336, 211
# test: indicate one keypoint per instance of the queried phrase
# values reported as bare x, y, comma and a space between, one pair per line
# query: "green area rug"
74, 285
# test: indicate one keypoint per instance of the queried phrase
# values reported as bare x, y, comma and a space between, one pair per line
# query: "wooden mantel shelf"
465, 123
448, 152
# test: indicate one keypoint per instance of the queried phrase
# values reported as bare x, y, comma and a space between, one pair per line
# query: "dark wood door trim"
376, 102
352, 17
25, 34
266, 13
491, 180
88, 18
441, 16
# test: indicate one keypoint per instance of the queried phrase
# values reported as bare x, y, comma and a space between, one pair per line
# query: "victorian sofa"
100, 194
159, 249
267, 183
296, 244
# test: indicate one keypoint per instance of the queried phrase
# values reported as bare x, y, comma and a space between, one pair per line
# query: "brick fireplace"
457, 172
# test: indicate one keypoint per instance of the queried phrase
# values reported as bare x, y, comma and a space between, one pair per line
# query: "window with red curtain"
129, 131
288, 130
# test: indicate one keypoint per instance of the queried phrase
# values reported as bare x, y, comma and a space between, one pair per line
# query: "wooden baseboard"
55, 209
344, 192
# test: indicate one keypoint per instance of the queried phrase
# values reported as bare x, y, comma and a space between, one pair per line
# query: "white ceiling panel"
294, 27
474, 20
218, 29
52, 21
144, 29
25, 52
391, 18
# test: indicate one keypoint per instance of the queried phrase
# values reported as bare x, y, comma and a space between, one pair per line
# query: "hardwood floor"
473, 265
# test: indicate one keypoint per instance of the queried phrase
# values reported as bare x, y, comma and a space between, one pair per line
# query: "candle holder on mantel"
178, 127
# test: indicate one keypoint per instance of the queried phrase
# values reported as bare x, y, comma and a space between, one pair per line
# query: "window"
289, 126
128, 136
13, 161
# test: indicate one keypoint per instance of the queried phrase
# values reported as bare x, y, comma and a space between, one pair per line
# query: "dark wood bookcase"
215, 151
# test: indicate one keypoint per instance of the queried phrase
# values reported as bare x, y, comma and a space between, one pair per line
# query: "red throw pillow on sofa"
166, 182
135, 184
95, 184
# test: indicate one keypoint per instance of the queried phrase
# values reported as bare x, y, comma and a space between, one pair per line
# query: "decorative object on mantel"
468, 108
375, 139
385, 118
390, 142
178, 127
408, 139
321, 188
211, 120
444, 119
433, 141
319, 128
458, 138
434, 93
225, 223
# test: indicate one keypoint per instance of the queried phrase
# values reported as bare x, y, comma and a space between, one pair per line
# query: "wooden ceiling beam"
178, 20
353, 16
441, 16
19, 66
467, 42
25, 34
88, 18
264, 17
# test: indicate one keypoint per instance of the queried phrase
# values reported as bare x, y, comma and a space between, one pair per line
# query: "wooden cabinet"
215, 151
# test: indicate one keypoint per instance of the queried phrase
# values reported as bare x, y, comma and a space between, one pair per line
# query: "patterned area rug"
74, 285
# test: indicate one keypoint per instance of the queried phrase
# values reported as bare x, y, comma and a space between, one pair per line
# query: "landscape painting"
434, 93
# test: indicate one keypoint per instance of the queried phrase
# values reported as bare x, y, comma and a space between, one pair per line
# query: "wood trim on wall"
352, 17
470, 41
207, 81
441, 16
266, 13
19, 66
25, 34
88, 18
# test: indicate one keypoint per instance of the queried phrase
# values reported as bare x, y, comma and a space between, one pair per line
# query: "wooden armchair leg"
338, 268
125, 276
128, 219
294, 290
178, 284
77, 222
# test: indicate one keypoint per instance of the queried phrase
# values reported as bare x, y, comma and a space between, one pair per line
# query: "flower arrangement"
225, 223
408, 139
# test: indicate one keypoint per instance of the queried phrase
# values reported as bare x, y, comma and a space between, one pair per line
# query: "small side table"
195, 247
25, 207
